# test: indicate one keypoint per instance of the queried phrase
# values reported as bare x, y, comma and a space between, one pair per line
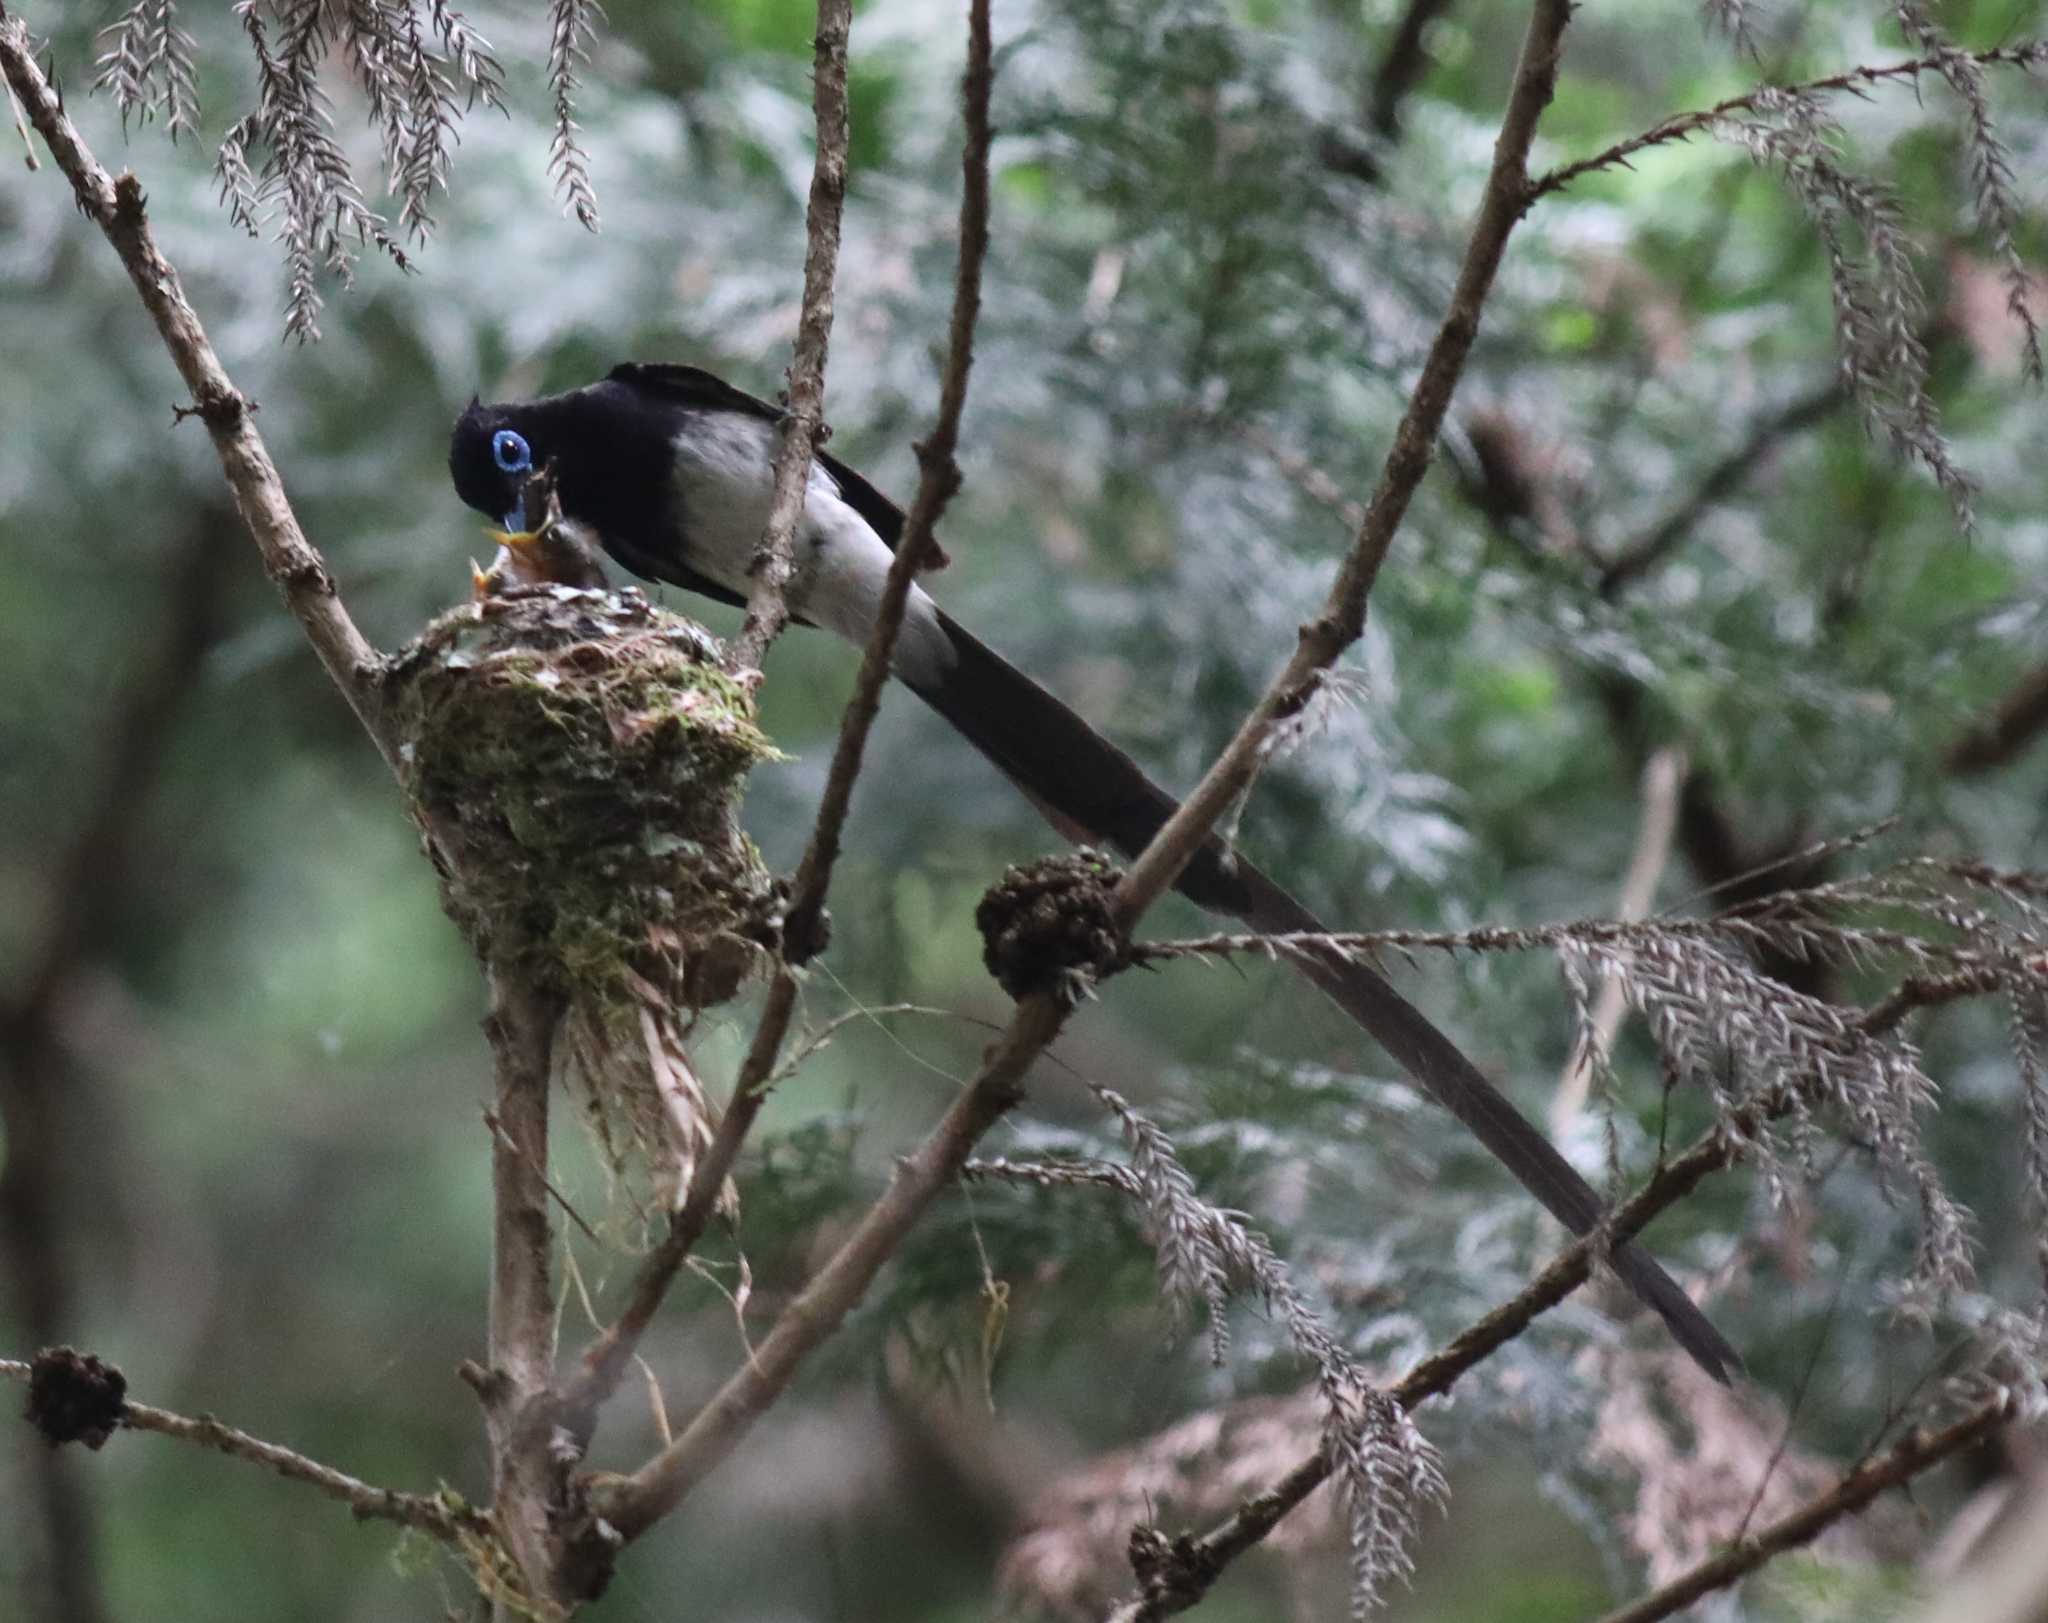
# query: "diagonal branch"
442, 1516
774, 561
605, 1361
116, 207
1341, 620
1199, 1562
938, 482
1681, 126
1647, 551
1916, 1452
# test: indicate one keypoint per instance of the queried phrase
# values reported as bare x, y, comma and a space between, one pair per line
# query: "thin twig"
1341, 620
632, 1504
1914, 1453
1663, 774
774, 561
1402, 68
605, 1361
116, 207
938, 480
1644, 553
2014, 723
1680, 126
441, 1517
1930, 992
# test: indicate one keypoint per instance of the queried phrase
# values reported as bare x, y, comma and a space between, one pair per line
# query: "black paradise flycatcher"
670, 470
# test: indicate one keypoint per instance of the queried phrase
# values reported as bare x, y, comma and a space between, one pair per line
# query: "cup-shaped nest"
577, 759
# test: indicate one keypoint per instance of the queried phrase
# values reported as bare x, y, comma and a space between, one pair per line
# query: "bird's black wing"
695, 389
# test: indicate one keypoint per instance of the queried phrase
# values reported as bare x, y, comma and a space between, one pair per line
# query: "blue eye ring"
511, 452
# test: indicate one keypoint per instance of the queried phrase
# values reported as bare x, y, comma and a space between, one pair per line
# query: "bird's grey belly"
724, 478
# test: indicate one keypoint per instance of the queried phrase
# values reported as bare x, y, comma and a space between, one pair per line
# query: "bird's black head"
610, 447
493, 450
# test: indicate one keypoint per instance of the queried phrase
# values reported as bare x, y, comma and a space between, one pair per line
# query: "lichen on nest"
579, 757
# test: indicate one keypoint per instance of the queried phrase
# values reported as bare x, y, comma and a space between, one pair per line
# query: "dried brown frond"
1710, 1461
1386, 1470
1070, 1561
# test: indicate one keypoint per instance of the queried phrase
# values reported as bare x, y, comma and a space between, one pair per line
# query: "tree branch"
301, 574
42, 1099
1647, 551
2014, 723
1199, 1562
631, 1504
444, 1518
1914, 1453
1402, 68
938, 481
517, 1389
1342, 619
1681, 126
774, 561
605, 1361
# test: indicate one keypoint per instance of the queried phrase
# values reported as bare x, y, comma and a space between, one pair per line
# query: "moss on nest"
583, 753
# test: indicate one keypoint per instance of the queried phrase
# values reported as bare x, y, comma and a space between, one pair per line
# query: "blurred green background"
255, 1037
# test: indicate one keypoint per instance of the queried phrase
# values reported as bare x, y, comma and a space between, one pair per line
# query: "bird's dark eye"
510, 451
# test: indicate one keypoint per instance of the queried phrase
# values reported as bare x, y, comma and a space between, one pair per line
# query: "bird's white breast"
724, 473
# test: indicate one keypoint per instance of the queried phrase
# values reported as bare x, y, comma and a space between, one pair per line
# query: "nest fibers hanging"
584, 753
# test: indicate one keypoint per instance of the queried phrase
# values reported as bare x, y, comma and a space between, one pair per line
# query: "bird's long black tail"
1091, 789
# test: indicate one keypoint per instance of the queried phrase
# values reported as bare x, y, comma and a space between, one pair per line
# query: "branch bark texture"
527, 1470
774, 562
116, 206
